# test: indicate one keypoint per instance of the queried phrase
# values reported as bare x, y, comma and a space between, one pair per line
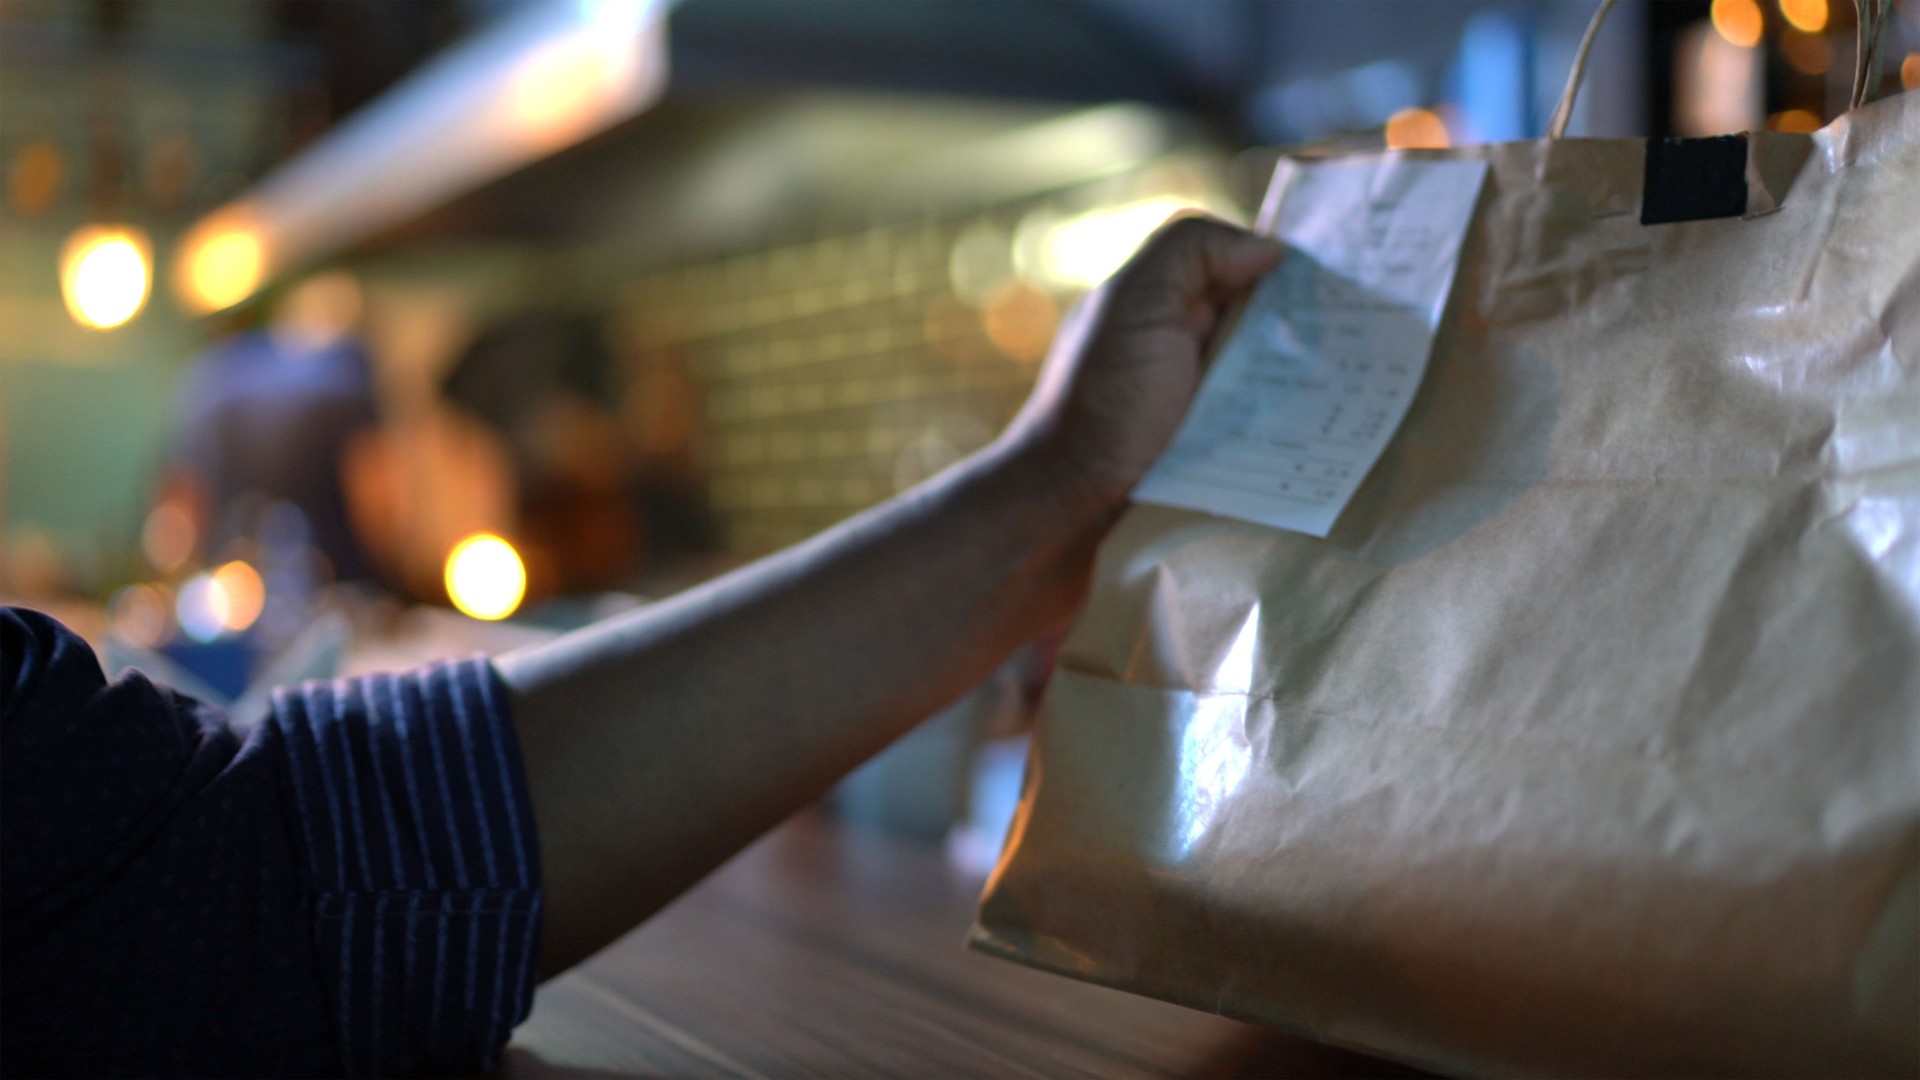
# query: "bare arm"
659, 744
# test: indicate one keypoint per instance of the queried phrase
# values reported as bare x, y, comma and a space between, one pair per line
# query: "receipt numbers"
1331, 347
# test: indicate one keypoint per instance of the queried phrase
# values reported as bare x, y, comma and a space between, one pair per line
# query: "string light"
1417, 129
1799, 121
224, 601
1020, 320
222, 261
1739, 21
105, 275
242, 595
1807, 15
485, 577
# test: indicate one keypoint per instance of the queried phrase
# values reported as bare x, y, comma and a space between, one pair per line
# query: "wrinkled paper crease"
1588, 742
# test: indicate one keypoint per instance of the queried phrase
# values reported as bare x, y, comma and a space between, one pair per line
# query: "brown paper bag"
1589, 741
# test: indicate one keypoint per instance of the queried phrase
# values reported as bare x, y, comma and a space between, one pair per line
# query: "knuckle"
1187, 229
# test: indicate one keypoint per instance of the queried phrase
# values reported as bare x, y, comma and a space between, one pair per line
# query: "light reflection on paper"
1877, 523
1214, 751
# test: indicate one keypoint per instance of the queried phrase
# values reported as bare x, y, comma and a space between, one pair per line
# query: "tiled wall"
833, 372
840, 370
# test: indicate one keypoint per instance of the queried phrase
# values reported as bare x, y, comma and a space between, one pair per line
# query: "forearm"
659, 744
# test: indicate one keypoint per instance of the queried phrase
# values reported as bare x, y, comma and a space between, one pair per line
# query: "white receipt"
1326, 357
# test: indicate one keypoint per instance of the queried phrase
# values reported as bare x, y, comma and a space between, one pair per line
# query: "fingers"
1194, 258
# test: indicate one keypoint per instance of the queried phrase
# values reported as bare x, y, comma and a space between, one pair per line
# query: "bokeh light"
141, 615
201, 608
1809, 54
485, 577
223, 601
558, 91
241, 593
34, 182
1807, 15
168, 539
222, 262
1084, 250
1798, 121
980, 262
1739, 21
320, 311
105, 275
1020, 320
1417, 129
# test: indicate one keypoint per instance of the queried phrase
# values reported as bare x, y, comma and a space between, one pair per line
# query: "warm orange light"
1799, 121
105, 275
223, 601
1417, 129
1020, 320
557, 90
1739, 21
34, 182
222, 262
1910, 72
168, 537
1810, 54
241, 595
1807, 15
141, 615
485, 577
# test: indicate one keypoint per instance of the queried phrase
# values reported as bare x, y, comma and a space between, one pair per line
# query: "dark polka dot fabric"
350, 888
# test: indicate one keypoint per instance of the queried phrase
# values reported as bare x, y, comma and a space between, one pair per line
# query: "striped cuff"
412, 809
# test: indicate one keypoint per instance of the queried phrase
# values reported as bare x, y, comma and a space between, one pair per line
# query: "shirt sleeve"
353, 885
417, 834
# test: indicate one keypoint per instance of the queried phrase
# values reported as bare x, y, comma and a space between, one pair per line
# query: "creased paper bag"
1589, 741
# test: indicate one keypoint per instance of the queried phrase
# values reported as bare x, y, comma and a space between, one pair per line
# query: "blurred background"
347, 333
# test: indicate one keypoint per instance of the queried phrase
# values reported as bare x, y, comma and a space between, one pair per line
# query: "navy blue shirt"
352, 886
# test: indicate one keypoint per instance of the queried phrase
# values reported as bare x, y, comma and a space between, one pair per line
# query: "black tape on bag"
1694, 179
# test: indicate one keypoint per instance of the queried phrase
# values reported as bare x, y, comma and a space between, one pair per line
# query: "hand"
1128, 360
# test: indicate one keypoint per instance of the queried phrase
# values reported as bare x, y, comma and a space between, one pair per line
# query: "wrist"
1041, 465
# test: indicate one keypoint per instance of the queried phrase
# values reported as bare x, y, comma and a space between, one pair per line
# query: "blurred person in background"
373, 879
266, 416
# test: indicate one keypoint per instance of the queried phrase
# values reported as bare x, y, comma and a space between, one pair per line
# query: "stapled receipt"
1330, 348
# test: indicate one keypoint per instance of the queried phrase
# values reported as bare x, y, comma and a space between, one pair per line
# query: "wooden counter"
827, 950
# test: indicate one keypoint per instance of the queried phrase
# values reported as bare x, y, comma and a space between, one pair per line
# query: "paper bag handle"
1870, 34
1563, 112
1872, 30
